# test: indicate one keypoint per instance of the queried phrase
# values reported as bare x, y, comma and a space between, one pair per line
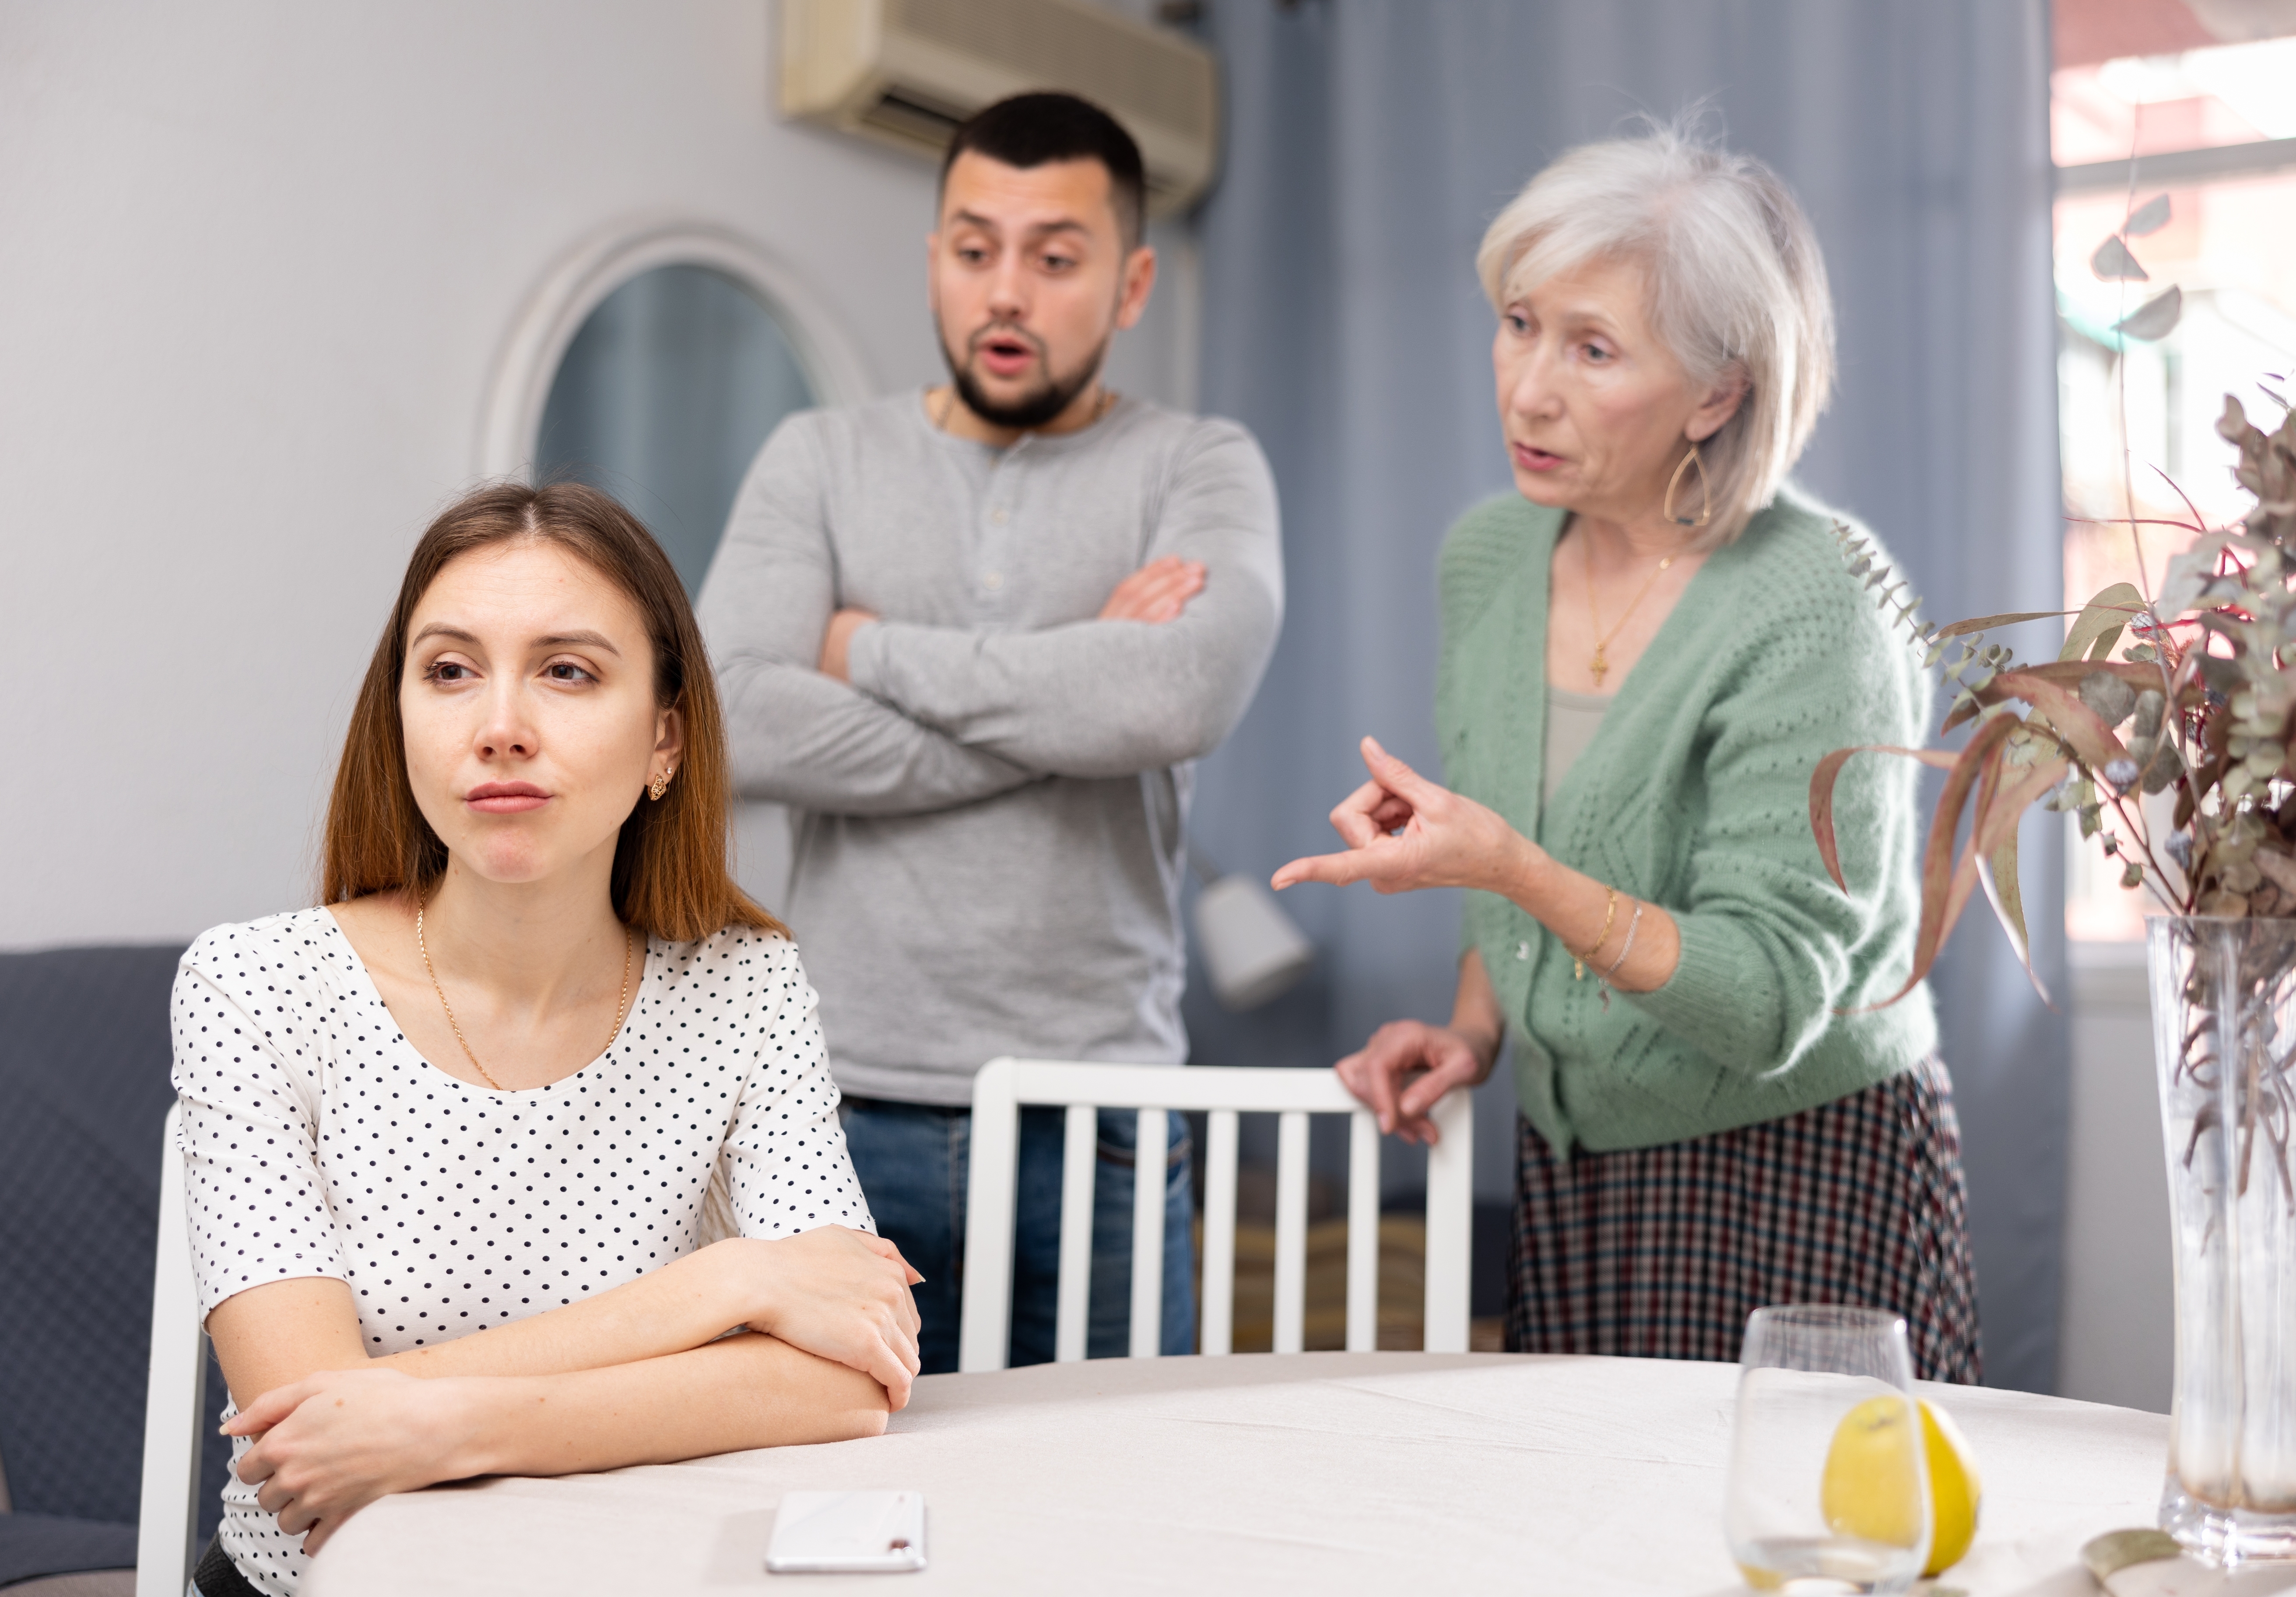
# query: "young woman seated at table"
534, 1051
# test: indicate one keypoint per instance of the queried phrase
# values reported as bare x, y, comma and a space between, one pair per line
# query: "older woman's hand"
1404, 832
1408, 1067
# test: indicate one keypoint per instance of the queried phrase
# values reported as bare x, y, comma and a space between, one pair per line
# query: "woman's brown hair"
670, 878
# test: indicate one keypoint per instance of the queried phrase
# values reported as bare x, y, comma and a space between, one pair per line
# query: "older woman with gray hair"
1646, 649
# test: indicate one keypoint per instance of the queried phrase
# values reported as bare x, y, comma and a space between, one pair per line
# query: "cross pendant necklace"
1599, 666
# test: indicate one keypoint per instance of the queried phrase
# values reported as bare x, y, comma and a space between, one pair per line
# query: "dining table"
1319, 1472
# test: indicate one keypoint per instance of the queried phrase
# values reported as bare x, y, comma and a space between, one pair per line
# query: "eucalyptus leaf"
2167, 765
2156, 317
1976, 624
1998, 876
2150, 707
2111, 698
2101, 622
2278, 867
2113, 261
2109, 1554
2190, 573
2148, 218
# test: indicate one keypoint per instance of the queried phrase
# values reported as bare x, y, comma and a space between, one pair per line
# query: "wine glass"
1829, 1491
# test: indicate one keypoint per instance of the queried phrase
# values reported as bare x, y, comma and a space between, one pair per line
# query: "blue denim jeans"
911, 1159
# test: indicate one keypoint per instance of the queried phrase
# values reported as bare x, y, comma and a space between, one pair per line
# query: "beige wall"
2118, 1335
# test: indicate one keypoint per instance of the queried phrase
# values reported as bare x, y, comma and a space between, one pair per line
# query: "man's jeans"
912, 1161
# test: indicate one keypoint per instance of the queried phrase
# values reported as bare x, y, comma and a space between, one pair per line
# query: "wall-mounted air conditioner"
906, 72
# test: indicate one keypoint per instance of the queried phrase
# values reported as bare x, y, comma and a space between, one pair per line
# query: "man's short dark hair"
1034, 130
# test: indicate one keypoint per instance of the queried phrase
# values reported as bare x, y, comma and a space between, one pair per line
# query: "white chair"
175, 1397
1005, 1085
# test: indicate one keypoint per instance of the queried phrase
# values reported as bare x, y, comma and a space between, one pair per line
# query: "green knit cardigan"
1695, 795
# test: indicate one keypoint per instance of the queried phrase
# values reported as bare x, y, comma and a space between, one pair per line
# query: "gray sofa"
84, 1058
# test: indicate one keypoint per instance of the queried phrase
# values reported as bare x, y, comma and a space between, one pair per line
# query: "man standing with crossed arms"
976, 636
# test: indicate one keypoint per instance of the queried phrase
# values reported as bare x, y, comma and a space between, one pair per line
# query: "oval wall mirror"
663, 397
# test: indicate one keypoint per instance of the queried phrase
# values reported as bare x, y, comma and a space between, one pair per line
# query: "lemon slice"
1869, 1489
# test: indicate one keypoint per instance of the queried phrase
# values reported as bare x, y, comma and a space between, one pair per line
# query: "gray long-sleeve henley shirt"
989, 844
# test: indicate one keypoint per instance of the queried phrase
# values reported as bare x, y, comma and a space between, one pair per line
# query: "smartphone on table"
837, 1533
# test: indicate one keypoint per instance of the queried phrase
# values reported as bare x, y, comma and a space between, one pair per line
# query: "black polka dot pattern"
317, 1142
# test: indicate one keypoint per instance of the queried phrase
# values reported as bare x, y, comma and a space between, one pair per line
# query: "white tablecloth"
1388, 1472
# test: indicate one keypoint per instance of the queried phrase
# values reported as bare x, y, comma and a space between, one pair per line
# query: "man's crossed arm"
855, 715
1156, 592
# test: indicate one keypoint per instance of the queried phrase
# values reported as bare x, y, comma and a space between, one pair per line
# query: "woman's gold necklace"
621, 1010
1600, 666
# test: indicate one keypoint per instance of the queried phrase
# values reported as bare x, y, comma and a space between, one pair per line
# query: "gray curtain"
1369, 143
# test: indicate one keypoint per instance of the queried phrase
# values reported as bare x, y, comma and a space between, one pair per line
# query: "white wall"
2118, 1338
257, 260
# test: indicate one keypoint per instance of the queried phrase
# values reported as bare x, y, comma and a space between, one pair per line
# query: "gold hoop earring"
1705, 492
657, 787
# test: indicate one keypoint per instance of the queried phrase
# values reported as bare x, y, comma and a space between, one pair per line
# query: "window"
2211, 123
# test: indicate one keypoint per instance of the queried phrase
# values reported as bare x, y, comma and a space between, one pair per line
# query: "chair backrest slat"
994, 1156
1003, 1085
1150, 1149
1362, 1232
1450, 1191
1216, 1316
1291, 1231
1079, 1157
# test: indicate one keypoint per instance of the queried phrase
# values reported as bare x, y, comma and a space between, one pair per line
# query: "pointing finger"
1338, 869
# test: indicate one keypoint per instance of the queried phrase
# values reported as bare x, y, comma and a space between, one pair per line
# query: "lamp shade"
1250, 947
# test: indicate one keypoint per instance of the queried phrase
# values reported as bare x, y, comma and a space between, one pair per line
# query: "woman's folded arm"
329, 1444
834, 1291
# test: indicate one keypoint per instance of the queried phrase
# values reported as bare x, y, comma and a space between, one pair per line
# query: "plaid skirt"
1663, 1252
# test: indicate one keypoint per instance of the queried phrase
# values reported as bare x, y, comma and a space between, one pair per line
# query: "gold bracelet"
1610, 914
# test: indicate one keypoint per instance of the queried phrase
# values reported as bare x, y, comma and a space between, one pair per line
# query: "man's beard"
1033, 409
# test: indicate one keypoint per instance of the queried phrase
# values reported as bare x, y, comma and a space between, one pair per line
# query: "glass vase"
2223, 1023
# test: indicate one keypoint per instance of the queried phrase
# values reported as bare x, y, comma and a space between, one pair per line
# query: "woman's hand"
1408, 1067
838, 1294
332, 1443
1404, 832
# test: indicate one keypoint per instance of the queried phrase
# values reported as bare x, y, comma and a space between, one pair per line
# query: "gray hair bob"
1735, 280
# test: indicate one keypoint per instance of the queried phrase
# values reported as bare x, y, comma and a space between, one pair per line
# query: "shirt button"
1523, 951
993, 582
1000, 515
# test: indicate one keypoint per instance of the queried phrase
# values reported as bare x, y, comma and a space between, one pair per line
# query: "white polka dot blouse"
317, 1142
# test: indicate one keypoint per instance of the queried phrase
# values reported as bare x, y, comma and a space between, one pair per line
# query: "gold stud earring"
657, 787
1705, 493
